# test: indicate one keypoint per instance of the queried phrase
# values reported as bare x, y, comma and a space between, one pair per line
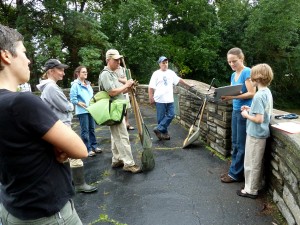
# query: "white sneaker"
97, 150
91, 154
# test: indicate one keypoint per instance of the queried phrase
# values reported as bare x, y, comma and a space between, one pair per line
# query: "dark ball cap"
52, 63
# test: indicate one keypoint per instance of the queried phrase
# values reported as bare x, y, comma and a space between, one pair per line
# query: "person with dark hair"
36, 184
55, 98
258, 120
81, 93
235, 59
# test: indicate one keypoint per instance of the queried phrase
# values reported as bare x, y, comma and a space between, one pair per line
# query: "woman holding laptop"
241, 75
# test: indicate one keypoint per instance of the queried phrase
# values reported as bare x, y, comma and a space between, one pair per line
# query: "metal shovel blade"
191, 139
194, 136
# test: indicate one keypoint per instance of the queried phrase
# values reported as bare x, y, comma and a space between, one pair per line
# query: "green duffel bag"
148, 161
106, 111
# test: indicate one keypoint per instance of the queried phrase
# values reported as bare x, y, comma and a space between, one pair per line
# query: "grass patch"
105, 173
174, 148
105, 218
216, 153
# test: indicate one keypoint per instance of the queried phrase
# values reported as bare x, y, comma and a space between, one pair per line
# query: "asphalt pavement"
183, 189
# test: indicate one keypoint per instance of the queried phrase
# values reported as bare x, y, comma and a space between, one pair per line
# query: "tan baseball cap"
113, 54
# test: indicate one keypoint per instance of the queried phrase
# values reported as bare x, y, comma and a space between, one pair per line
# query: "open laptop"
227, 90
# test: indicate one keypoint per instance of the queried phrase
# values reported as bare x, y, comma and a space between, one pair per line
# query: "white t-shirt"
162, 82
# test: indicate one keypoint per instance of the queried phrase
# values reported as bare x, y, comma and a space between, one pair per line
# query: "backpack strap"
100, 86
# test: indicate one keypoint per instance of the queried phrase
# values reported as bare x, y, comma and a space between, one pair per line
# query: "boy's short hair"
8, 39
262, 73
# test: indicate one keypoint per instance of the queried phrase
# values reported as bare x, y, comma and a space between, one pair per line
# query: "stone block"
275, 184
291, 204
211, 107
278, 177
220, 113
225, 108
219, 149
283, 208
212, 129
274, 164
292, 162
211, 137
227, 117
220, 141
221, 123
225, 133
211, 124
289, 177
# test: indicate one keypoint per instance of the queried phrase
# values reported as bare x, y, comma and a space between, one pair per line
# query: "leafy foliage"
194, 34
272, 36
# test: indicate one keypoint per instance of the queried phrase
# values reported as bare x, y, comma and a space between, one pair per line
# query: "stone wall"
215, 125
283, 171
282, 155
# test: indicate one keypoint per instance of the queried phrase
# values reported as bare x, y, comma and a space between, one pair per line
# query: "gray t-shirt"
262, 104
108, 80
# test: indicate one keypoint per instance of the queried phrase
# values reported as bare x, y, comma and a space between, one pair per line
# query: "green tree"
130, 28
232, 19
272, 36
55, 29
191, 30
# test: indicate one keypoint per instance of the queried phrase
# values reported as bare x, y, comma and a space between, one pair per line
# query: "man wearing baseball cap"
109, 82
160, 92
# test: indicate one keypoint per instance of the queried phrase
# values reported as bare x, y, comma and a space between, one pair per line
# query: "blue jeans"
87, 125
165, 114
238, 129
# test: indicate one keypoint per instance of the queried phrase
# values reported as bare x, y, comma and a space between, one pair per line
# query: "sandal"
130, 127
242, 193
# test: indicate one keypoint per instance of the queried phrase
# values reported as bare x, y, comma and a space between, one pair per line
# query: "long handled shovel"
193, 136
148, 162
134, 102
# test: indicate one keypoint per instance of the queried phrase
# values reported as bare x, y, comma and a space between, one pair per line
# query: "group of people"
251, 115
40, 155
38, 146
